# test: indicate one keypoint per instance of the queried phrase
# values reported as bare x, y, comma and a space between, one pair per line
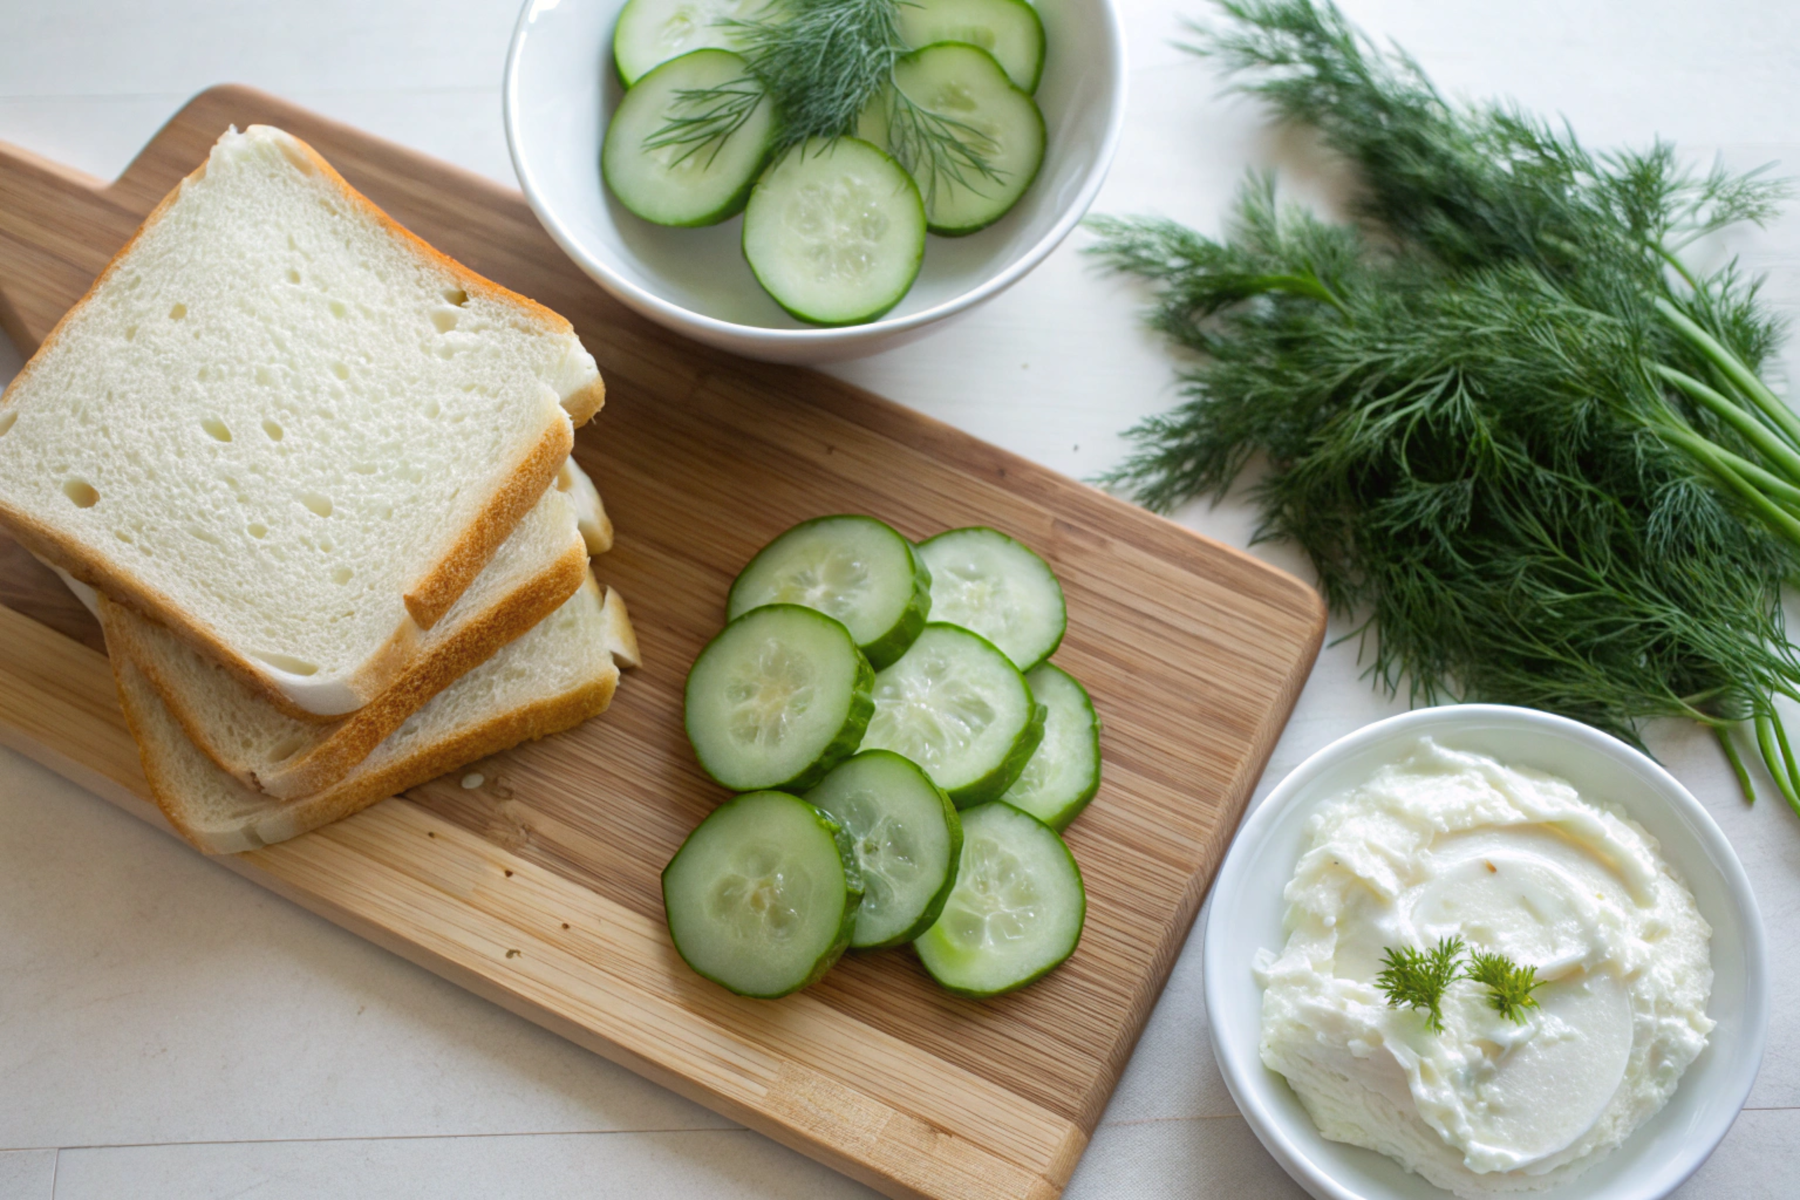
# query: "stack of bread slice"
314, 479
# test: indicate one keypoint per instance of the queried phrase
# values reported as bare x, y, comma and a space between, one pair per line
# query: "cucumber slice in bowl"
972, 140
835, 231
651, 32
854, 568
1007, 29
780, 697
959, 708
1064, 773
762, 897
905, 836
687, 143
983, 580
1017, 909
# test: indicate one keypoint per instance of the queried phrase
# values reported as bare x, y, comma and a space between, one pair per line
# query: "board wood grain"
538, 888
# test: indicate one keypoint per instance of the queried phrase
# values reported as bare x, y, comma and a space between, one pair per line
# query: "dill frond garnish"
1417, 978
702, 120
822, 62
1523, 443
1509, 985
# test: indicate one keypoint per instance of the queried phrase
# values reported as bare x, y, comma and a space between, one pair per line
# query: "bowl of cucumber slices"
811, 180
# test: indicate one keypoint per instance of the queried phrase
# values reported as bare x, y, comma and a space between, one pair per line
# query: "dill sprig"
702, 120
1417, 978
1518, 438
1509, 985
821, 63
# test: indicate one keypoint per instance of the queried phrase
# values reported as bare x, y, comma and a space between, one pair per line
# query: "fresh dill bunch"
1523, 459
1509, 985
821, 63
1417, 978
702, 120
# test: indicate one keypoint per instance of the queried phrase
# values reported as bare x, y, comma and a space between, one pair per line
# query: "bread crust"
356, 736
432, 595
284, 820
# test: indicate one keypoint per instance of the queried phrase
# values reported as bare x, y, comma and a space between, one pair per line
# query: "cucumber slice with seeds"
906, 838
762, 896
1017, 909
854, 568
780, 697
1064, 773
983, 580
651, 32
1007, 29
958, 90
835, 231
959, 708
694, 175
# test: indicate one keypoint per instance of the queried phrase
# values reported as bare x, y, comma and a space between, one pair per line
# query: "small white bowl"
561, 90
1664, 1151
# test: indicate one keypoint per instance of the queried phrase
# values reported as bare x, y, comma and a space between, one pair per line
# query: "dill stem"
1754, 431
1765, 742
1777, 517
1735, 370
1722, 731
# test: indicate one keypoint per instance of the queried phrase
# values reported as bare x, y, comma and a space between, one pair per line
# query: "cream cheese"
1446, 843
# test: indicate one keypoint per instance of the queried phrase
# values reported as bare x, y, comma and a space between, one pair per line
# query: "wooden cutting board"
537, 886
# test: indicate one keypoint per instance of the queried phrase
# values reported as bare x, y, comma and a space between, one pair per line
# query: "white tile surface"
152, 998
598, 1166
27, 1174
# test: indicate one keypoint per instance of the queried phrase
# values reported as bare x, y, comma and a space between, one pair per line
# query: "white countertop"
170, 1030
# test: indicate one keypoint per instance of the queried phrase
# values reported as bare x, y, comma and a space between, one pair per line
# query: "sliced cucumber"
854, 568
1064, 773
780, 697
1017, 909
983, 580
959, 708
762, 896
1007, 29
958, 91
835, 231
905, 836
651, 32
670, 163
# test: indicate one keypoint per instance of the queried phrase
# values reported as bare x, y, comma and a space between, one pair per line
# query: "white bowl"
561, 90
1660, 1154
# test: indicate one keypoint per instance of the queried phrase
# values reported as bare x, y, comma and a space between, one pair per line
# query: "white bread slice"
590, 511
287, 429
540, 566
554, 677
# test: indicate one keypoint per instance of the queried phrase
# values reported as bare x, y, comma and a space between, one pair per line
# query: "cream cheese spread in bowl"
1444, 844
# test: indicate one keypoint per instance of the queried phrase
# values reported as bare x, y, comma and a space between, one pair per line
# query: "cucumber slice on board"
762, 897
704, 173
1007, 29
1017, 909
1064, 773
906, 837
651, 32
960, 89
835, 231
854, 568
780, 697
983, 580
959, 708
